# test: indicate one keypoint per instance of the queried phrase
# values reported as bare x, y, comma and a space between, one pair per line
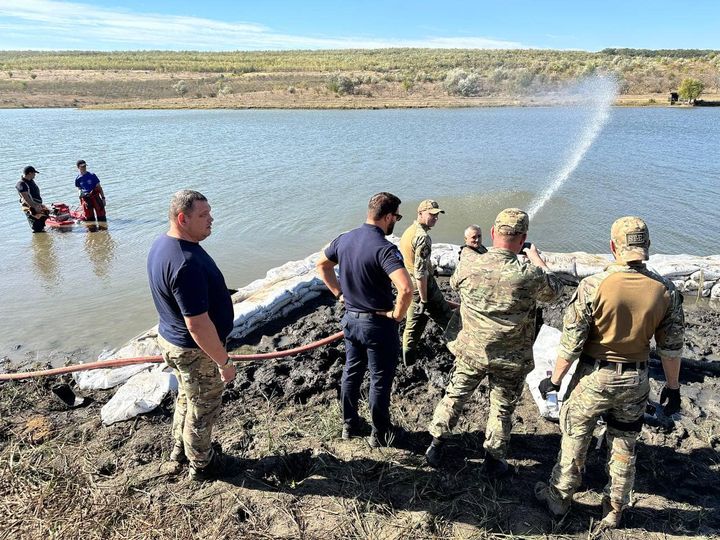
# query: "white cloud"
50, 24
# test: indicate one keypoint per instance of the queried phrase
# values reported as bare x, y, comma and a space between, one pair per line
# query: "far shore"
108, 89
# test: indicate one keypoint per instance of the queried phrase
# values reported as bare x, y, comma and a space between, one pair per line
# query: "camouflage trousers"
621, 398
506, 383
198, 402
436, 307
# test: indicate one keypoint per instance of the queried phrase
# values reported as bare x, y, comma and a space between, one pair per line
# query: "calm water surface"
282, 183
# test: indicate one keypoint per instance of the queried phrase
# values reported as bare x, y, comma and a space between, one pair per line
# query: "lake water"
283, 183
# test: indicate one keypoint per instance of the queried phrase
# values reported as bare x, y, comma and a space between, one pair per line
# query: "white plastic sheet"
141, 394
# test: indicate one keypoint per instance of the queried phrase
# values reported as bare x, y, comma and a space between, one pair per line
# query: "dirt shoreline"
142, 89
62, 473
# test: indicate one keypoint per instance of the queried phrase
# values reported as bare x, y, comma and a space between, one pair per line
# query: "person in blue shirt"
196, 316
368, 266
92, 197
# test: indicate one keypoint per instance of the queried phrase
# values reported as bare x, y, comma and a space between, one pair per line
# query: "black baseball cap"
30, 169
80, 162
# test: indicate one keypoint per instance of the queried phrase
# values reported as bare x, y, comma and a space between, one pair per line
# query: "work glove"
670, 398
546, 385
421, 308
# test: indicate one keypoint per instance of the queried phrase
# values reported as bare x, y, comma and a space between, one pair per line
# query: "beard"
390, 229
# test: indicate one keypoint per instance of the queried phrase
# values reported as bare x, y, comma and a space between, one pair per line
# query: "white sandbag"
545, 354
102, 379
675, 266
715, 291
707, 273
141, 394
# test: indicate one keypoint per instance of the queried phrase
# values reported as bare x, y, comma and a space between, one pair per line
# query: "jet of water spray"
598, 94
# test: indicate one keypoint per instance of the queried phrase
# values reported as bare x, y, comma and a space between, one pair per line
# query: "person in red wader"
92, 197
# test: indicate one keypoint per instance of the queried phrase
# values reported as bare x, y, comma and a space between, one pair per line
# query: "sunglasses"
398, 217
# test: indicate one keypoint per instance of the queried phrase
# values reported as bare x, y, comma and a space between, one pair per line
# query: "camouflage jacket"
416, 246
614, 314
498, 295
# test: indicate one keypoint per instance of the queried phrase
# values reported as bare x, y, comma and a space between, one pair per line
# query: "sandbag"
102, 379
545, 354
141, 394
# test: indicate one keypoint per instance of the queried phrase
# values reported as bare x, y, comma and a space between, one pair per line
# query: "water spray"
596, 94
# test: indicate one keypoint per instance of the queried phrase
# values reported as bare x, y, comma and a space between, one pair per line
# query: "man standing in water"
31, 201
499, 295
92, 196
196, 317
428, 300
608, 327
369, 266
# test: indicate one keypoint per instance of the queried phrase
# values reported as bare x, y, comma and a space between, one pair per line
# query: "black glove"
546, 385
421, 308
671, 399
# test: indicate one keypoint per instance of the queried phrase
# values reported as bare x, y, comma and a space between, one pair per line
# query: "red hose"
117, 362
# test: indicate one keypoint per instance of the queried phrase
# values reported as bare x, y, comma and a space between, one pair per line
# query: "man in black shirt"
31, 201
369, 266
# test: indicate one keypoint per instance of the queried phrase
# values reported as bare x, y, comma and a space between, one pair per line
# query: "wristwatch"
228, 361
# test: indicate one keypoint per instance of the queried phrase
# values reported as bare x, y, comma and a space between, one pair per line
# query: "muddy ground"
64, 475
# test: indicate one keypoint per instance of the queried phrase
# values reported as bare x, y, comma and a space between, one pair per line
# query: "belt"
620, 367
361, 314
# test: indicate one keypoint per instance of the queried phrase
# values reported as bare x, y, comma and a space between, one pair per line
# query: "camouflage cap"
512, 221
431, 206
631, 238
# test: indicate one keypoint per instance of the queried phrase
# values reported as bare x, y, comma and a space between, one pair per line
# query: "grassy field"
337, 79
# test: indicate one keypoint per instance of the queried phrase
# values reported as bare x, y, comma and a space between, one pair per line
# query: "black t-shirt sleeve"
391, 259
331, 252
190, 289
21, 187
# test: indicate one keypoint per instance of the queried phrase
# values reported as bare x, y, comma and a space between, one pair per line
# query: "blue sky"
218, 25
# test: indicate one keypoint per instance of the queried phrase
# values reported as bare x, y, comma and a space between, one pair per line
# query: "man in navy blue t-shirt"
196, 317
369, 266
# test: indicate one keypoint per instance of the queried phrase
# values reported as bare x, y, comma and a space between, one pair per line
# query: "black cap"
80, 162
30, 169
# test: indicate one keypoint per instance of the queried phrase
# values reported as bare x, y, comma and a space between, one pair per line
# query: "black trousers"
36, 224
371, 342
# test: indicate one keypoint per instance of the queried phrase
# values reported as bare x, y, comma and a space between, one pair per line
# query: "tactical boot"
178, 453
496, 467
558, 507
212, 471
434, 453
612, 515
349, 431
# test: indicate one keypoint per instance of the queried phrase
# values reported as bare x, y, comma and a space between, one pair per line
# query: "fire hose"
119, 362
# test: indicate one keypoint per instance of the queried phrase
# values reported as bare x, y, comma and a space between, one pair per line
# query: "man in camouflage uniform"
428, 300
608, 326
196, 317
498, 294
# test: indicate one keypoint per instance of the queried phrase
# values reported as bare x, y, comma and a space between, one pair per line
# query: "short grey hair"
182, 201
470, 229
